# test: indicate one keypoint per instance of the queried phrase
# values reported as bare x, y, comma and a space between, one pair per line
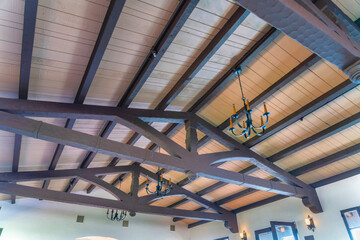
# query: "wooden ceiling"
65, 35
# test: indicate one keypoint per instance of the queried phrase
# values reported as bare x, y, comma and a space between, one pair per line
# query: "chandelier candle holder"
162, 187
247, 126
115, 215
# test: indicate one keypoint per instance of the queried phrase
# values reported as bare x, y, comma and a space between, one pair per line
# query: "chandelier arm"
247, 132
258, 134
266, 121
148, 191
237, 122
237, 135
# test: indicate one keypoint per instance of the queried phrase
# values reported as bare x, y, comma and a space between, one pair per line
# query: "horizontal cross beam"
59, 174
130, 205
48, 132
81, 111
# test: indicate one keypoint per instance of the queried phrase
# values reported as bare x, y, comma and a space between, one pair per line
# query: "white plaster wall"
329, 224
32, 219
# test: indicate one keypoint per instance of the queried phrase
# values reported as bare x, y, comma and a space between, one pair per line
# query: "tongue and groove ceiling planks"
65, 35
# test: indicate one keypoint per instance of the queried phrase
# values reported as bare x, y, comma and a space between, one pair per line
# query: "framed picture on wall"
351, 219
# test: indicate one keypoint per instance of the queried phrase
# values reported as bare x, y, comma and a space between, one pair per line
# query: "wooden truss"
178, 158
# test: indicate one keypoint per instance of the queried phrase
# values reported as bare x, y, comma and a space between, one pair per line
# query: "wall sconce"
310, 223
243, 235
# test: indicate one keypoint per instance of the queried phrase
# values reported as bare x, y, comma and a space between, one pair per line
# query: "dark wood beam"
287, 78
314, 32
30, 11
319, 102
165, 39
353, 29
27, 46
260, 203
347, 152
250, 55
16, 159
173, 27
337, 178
317, 184
236, 19
106, 30
129, 205
225, 32
49, 132
302, 170
295, 72
135, 182
304, 143
198, 223
338, 127
229, 75
58, 174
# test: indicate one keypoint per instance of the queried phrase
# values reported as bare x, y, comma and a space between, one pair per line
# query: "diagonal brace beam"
48, 132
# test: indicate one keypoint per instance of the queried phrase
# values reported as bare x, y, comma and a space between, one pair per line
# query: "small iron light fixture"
243, 235
309, 221
115, 215
247, 126
163, 187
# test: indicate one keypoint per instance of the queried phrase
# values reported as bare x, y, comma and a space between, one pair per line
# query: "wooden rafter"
30, 11
107, 28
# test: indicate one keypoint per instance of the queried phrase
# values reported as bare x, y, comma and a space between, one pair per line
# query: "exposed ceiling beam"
352, 28
202, 201
205, 190
290, 76
327, 132
225, 32
311, 27
27, 46
296, 147
255, 159
296, 172
111, 18
229, 75
107, 28
287, 78
317, 103
164, 41
30, 11
58, 174
320, 183
327, 160
131, 205
49, 132
250, 55
230, 26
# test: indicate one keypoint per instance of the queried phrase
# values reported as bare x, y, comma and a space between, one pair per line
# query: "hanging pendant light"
116, 215
247, 126
162, 187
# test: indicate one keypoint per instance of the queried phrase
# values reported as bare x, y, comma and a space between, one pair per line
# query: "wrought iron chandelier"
247, 125
115, 215
162, 187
